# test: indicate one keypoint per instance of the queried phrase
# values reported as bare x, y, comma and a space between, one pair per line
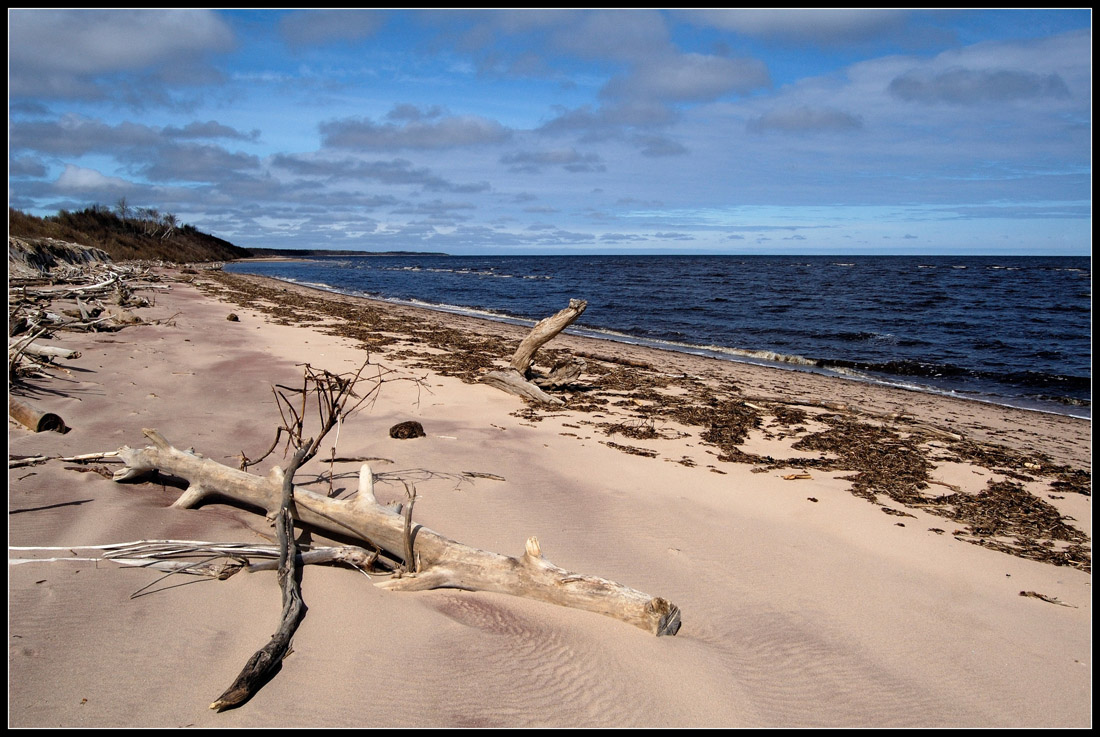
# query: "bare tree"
170, 222
123, 209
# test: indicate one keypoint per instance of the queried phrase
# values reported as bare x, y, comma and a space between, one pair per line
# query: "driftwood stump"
520, 380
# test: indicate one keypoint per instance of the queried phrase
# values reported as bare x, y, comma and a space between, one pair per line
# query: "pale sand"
795, 612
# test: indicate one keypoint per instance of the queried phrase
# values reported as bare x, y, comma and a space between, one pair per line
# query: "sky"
572, 131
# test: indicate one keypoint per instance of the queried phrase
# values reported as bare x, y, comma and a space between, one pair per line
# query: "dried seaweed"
885, 462
645, 452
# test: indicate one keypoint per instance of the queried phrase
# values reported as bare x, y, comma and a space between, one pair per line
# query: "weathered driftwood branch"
438, 562
518, 379
45, 351
266, 661
563, 374
543, 332
509, 381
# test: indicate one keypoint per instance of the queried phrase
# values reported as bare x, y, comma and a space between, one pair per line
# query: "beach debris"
407, 430
218, 560
520, 380
110, 456
45, 351
443, 563
631, 449
482, 475
232, 317
797, 476
1044, 597
34, 419
266, 661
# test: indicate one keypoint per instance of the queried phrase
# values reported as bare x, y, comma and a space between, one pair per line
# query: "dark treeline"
315, 252
127, 233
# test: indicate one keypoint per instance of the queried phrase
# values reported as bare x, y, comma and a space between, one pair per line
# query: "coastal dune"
816, 589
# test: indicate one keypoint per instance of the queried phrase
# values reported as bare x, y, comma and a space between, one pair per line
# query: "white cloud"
533, 162
62, 52
78, 179
615, 34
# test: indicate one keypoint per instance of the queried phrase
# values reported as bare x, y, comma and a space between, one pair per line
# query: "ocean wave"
474, 271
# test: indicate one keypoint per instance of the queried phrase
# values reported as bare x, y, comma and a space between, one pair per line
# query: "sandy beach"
842, 554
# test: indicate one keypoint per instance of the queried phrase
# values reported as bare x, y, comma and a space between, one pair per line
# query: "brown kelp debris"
727, 421
789, 416
995, 456
457, 353
1005, 509
1073, 481
885, 462
632, 450
640, 429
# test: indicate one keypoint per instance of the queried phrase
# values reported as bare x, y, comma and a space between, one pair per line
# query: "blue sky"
566, 131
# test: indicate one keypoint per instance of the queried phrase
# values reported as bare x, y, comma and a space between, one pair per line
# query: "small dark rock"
406, 430
232, 317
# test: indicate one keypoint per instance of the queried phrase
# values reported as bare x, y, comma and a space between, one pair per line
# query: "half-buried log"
33, 419
438, 562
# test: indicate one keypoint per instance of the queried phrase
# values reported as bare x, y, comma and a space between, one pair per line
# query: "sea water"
1008, 330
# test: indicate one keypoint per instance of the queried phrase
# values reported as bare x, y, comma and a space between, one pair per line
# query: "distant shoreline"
298, 254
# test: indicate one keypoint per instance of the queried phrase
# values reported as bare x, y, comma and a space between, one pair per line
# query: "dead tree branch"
519, 379
267, 660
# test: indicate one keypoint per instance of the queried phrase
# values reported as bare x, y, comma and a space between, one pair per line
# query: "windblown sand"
819, 535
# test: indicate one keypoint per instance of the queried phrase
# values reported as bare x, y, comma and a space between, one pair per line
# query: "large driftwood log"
518, 378
438, 562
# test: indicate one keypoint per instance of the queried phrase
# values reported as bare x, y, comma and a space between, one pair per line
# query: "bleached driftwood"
518, 378
436, 561
45, 351
509, 381
563, 374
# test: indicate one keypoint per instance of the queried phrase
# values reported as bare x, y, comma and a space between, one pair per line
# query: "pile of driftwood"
94, 297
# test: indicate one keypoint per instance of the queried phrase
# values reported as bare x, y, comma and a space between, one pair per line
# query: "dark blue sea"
1007, 330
